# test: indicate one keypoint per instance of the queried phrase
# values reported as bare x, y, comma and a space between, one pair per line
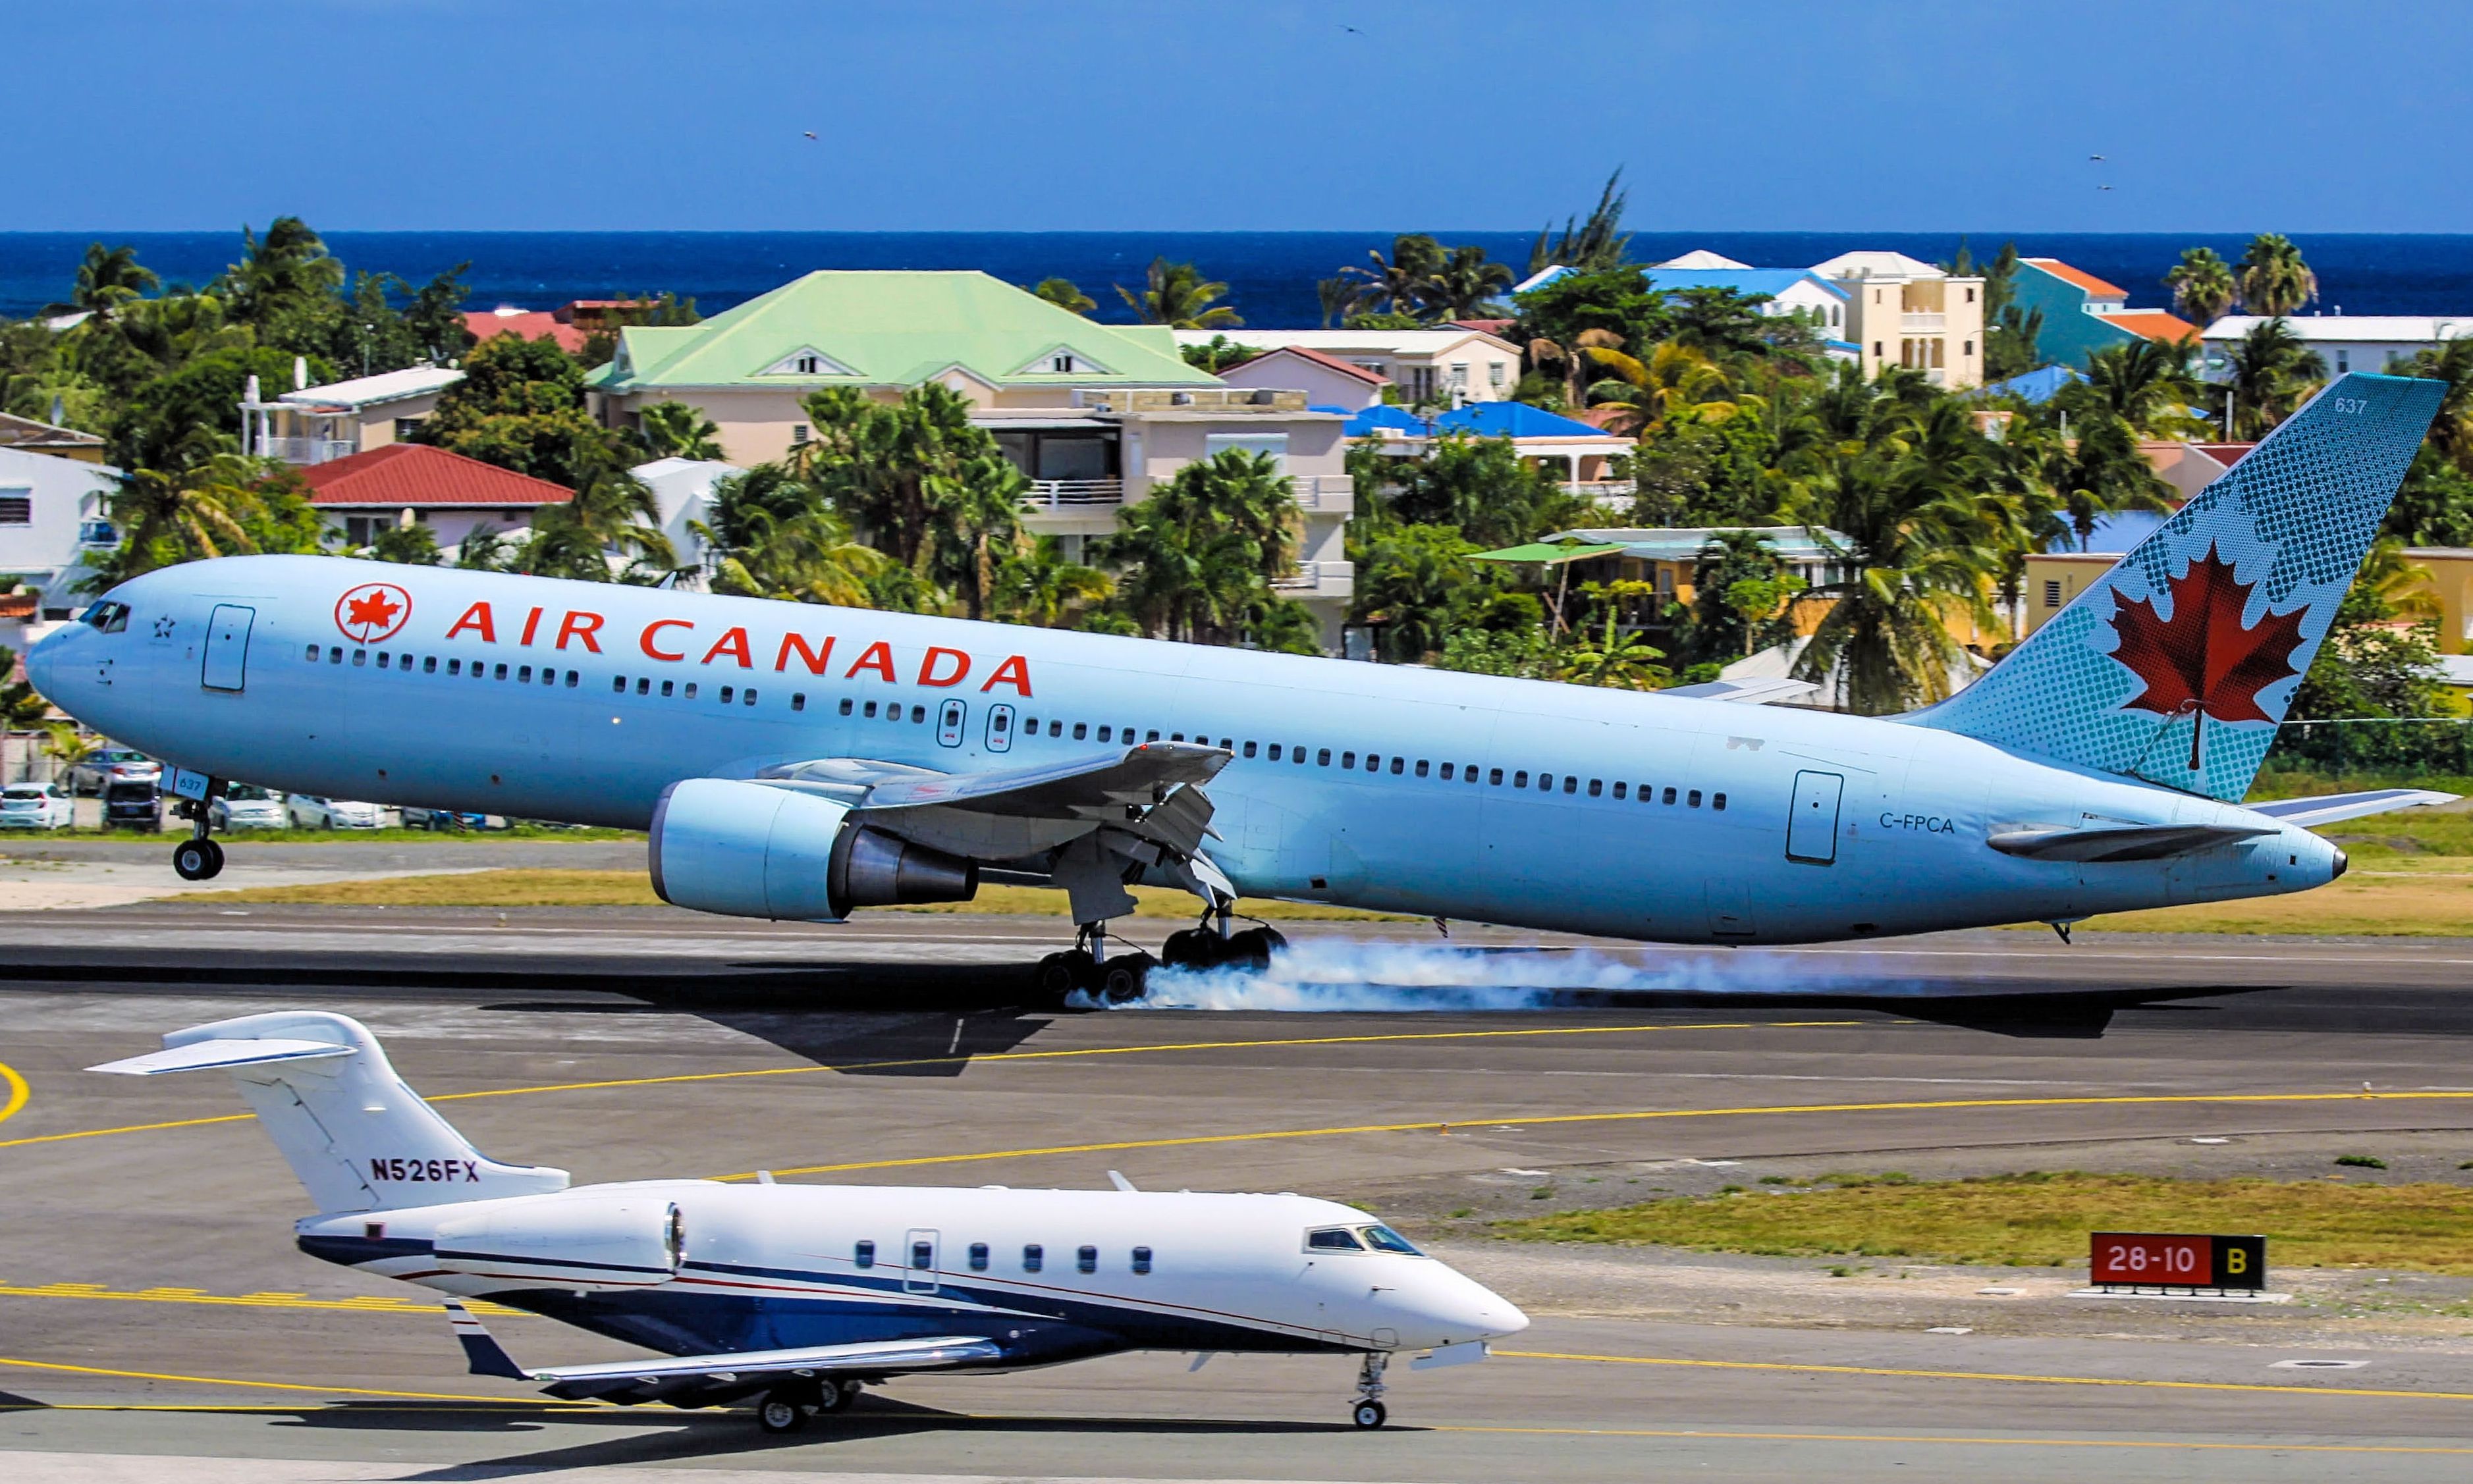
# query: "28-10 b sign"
2149, 1259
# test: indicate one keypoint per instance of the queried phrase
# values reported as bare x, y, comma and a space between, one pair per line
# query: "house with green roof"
1095, 415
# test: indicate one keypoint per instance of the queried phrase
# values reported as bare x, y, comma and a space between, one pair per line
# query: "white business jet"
796, 1296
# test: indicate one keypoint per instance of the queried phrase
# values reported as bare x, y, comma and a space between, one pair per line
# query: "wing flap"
645, 1379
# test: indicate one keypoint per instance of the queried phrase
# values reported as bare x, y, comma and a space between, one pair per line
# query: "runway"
150, 1267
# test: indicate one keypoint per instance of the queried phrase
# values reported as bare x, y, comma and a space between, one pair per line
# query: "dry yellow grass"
2394, 899
2043, 1220
632, 889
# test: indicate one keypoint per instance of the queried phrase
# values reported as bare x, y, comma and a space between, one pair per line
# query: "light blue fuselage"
1891, 820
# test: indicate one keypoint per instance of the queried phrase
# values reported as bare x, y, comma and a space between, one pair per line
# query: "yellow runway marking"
991, 1056
1891, 1437
1535, 1120
1989, 1376
375, 1303
8, 1362
18, 1091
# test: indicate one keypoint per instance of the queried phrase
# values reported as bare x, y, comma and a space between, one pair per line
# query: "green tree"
1218, 354
2435, 506
286, 286
920, 482
1741, 594
2147, 385
2102, 472
23, 709
1405, 281
413, 544
1416, 585
773, 534
1592, 246
1615, 659
1177, 296
187, 416
2202, 286
2274, 373
1645, 395
1036, 585
1196, 560
612, 517
675, 430
1478, 486
2450, 362
520, 406
1063, 294
664, 308
1464, 285
222, 506
2273, 280
107, 279
1339, 299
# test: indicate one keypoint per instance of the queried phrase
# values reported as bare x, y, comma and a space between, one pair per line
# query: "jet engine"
574, 1242
753, 851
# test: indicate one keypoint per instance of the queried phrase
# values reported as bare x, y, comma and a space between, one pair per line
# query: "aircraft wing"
658, 1378
2120, 842
2329, 808
1758, 692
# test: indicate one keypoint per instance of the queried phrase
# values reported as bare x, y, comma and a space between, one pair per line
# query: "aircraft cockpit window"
1384, 1240
1333, 1239
109, 618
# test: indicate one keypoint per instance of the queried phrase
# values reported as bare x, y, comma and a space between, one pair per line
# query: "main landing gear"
787, 1408
1121, 978
1368, 1410
200, 857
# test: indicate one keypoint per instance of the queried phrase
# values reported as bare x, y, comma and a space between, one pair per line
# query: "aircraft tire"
1059, 975
1122, 980
1369, 1414
1253, 947
781, 1411
833, 1395
1193, 947
196, 860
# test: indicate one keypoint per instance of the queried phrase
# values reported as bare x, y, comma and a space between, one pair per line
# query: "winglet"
482, 1353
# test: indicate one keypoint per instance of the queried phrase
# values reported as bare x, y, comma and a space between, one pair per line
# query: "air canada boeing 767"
796, 762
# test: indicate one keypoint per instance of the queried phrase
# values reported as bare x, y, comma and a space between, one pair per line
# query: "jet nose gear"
200, 857
1368, 1411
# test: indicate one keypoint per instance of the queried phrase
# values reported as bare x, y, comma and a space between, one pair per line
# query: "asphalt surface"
153, 1314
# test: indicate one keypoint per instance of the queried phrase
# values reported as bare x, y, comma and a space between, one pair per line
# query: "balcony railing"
1913, 324
1320, 579
1606, 490
307, 450
1324, 491
1073, 494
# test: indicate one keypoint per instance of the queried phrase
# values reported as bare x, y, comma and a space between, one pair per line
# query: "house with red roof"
527, 324
2084, 314
401, 484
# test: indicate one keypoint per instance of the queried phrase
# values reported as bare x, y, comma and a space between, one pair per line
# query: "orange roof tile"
2152, 323
417, 474
2083, 279
532, 324
1327, 361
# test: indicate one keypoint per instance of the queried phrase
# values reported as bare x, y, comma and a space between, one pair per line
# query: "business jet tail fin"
357, 1137
2177, 665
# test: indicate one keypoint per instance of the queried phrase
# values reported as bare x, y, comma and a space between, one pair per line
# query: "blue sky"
2214, 115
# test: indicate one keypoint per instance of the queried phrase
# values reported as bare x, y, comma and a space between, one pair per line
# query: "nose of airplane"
42, 659
1461, 1308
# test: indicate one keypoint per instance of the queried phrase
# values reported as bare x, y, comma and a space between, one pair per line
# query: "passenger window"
455, 667
690, 691
1086, 1259
978, 1257
846, 706
1618, 790
1030, 727
917, 715
1571, 782
1447, 772
748, 698
1322, 759
1151, 737
571, 678
871, 710
360, 656
1249, 748
335, 656
312, 656
1141, 1260
1297, 757
724, 695
1717, 800
1596, 786
863, 1255
922, 1254
429, 664
665, 686
1081, 730
619, 683
524, 674
1173, 736
1056, 728
1333, 1239
499, 674
1519, 779
1694, 800
1670, 794
1103, 732
1273, 753
1495, 776
1033, 1257
797, 700
1225, 744
382, 659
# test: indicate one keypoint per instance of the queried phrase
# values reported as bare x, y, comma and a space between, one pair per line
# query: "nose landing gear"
200, 857
1368, 1410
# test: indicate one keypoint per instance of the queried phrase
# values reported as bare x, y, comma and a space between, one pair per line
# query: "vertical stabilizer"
358, 1138
2177, 665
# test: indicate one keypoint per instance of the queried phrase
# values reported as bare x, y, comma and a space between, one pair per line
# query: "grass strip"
2042, 1219
554, 888
2394, 899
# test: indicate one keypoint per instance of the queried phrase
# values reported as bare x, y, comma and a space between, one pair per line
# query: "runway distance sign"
2152, 1259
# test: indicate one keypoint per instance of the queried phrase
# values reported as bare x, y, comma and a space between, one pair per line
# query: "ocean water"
1270, 275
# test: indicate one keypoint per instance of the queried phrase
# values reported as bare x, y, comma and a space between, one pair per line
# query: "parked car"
133, 803
316, 811
417, 817
36, 806
247, 806
105, 766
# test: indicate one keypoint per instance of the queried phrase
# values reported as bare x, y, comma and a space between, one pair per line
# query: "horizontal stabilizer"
2122, 842
483, 1354
1750, 692
2328, 809
646, 1379
206, 1055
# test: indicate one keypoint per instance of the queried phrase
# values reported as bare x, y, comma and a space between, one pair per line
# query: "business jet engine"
754, 851
569, 1241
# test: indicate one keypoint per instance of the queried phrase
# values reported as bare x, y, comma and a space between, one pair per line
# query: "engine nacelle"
753, 851
612, 1241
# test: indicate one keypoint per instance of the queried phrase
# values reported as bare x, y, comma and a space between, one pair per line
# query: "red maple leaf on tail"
2201, 662
374, 613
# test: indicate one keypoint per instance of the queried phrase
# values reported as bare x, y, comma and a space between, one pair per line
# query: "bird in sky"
809, 133
1351, 30
2094, 156
2104, 187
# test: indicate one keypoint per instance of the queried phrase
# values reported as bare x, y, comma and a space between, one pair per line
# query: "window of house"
1062, 361
1460, 375
1033, 1257
404, 428
1969, 347
863, 1255
798, 434
807, 366
1494, 374
1270, 445
2052, 593
17, 507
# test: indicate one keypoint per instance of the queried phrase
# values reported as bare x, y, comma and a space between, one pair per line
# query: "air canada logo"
372, 612
2202, 662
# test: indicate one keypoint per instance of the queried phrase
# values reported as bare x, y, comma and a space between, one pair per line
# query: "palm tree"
803, 556
1463, 284
1177, 296
1573, 358
614, 513
1598, 243
2275, 281
974, 505
1063, 294
1038, 586
2104, 473
1339, 299
1403, 281
181, 515
1649, 393
2273, 370
2143, 384
675, 430
1194, 562
291, 263
2451, 362
2202, 286
108, 278
1618, 662
412, 544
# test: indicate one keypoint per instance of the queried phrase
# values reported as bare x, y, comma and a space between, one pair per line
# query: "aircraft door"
227, 662
919, 1262
951, 717
1812, 829
999, 727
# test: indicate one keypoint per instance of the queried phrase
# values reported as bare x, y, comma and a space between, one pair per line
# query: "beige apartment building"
1902, 311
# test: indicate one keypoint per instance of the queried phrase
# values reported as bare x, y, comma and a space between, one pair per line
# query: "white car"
313, 811
34, 806
247, 806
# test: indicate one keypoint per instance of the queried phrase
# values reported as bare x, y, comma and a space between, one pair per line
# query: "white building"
1427, 365
55, 516
318, 424
2345, 342
1325, 380
682, 489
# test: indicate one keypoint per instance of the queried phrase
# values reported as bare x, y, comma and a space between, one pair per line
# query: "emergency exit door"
227, 662
1811, 831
